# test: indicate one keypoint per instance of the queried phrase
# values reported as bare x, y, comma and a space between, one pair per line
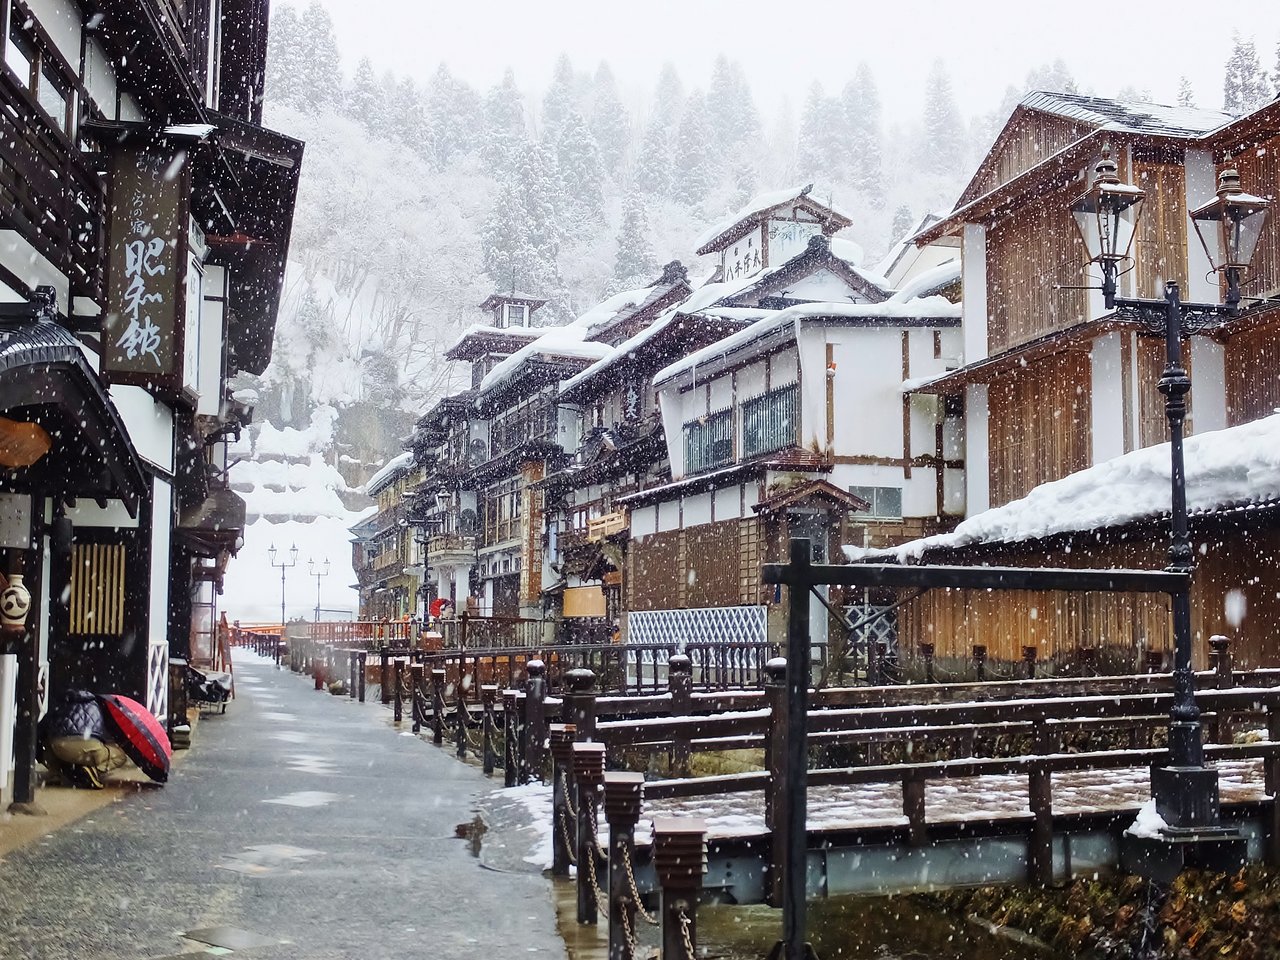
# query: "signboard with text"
143, 328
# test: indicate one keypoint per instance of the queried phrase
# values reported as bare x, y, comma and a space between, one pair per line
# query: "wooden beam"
983, 578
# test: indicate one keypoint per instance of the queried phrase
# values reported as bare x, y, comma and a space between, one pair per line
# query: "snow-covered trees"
1245, 85
943, 147
692, 172
635, 262
581, 170
861, 103
504, 126
453, 118
560, 100
608, 120
732, 118
319, 75
652, 172
1186, 97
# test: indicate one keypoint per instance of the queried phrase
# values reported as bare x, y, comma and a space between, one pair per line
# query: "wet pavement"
300, 827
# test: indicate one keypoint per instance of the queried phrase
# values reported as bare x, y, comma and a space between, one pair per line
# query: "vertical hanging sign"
142, 336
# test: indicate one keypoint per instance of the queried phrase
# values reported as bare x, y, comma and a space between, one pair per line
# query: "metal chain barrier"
635, 891
687, 942
568, 795
567, 837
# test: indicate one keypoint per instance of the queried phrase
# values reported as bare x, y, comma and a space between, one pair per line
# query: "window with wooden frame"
502, 511
96, 598
39, 68
769, 421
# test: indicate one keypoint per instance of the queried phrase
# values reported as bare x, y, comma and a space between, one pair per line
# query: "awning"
215, 524
46, 379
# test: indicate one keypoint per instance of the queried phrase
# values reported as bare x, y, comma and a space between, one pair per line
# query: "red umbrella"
141, 735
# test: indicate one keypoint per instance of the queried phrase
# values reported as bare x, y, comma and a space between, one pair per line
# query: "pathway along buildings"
143, 239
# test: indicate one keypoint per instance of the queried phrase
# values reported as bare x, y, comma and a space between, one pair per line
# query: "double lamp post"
1229, 226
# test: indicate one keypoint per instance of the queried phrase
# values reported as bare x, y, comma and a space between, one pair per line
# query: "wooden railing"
600, 527
48, 194
369, 633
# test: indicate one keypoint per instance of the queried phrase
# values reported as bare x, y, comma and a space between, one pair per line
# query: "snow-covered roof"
892, 309
1129, 115
1225, 468
903, 244
568, 340
929, 281
394, 469
757, 206
634, 344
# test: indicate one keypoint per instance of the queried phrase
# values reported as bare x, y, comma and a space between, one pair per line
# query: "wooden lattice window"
96, 603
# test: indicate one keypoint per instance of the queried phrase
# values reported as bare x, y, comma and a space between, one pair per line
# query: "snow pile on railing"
1227, 468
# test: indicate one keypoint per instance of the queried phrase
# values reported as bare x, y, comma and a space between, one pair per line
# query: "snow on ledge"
1238, 465
395, 466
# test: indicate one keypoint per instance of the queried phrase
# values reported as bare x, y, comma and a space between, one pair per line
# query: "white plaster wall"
86, 513
1208, 385
728, 502
953, 492
212, 335
750, 497
129, 109
161, 526
1202, 283
8, 717
62, 20
925, 410
977, 458
973, 278
671, 406
721, 392
32, 267
150, 424
697, 510
1108, 410
668, 516
812, 352
644, 521
783, 366
952, 348
867, 392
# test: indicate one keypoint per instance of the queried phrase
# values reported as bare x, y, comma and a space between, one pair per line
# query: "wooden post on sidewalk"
588, 775
680, 860
562, 736
623, 799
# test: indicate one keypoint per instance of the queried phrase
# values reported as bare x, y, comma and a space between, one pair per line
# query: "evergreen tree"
668, 97
1052, 78
580, 167
364, 101
560, 99
407, 114
902, 222
609, 123
861, 105
1245, 84
453, 118
652, 169
321, 75
1185, 96
823, 142
506, 247
504, 127
284, 58
635, 262
944, 141
691, 174
731, 112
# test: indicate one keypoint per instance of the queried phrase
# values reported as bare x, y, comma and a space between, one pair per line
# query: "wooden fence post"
488, 697
417, 673
926, 651
623, 799
1029, 662
680, 860
363, 657
510, 738
680, 682
913, 809
562, 736
775, 754
385, 674
535, 722
588, 774
1040, 844
980, 661
580, 702
397, 678
352, 662
438, 680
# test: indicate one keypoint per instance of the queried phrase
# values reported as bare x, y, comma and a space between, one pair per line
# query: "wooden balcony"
611, 523
391, 558
48, 194
448, 549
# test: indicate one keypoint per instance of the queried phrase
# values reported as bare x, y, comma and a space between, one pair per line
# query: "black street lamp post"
283, 565
1185, 790
318, 570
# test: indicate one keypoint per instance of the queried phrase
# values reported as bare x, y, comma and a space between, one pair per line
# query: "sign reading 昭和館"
142, 339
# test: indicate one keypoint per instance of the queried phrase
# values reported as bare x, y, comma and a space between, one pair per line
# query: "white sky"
784, 47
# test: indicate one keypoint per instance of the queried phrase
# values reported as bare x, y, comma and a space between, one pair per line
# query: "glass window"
20, 53
54, 96
886, 502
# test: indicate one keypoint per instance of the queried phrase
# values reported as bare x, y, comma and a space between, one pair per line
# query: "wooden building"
147, 223
1057, 386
